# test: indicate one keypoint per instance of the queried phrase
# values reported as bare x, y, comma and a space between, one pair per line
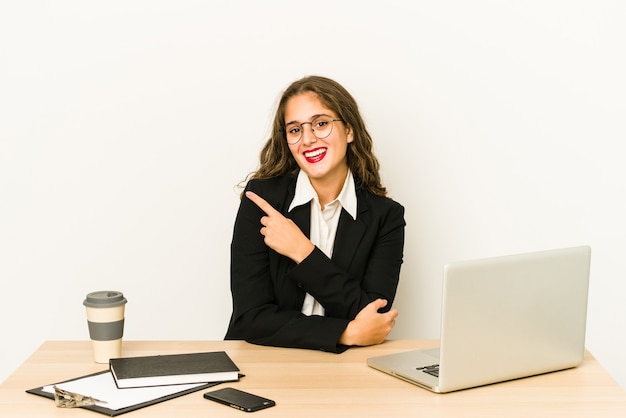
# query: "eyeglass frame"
300, 125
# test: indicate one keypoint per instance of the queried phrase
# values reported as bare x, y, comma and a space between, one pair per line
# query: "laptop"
503, 318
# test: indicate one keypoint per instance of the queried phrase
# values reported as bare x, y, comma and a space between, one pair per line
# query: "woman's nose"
307, 135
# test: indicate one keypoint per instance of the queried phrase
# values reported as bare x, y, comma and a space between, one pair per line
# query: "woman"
317, 246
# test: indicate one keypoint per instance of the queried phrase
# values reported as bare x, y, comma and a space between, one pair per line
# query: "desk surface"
306, 383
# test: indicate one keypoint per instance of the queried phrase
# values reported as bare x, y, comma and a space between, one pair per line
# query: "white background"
126, 126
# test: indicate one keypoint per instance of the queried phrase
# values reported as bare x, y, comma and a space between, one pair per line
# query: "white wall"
125, 127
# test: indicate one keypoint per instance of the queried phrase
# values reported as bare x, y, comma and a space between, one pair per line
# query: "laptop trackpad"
432, 352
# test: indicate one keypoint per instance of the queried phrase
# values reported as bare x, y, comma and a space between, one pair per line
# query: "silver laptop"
503, 318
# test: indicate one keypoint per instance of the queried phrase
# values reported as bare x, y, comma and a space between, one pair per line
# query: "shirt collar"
305, 193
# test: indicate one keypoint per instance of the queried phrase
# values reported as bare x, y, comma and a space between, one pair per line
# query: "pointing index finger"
261, 203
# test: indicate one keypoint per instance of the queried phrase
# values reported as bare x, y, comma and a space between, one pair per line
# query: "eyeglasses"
321, 127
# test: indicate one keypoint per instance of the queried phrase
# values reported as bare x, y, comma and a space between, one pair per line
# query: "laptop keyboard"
431, 370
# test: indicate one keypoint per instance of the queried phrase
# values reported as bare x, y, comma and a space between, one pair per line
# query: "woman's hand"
369, 327
281, 234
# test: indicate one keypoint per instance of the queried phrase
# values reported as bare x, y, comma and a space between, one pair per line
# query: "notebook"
503, 318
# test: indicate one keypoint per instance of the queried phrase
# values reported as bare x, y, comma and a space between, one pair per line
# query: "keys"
431, 370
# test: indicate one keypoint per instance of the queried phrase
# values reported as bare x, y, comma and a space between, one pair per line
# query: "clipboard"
173, 391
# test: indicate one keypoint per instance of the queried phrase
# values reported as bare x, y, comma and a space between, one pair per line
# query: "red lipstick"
315, 155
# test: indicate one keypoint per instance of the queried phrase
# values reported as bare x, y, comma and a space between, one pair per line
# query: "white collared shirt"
323, 222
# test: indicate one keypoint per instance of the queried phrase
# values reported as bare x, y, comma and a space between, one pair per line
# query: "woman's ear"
349, 135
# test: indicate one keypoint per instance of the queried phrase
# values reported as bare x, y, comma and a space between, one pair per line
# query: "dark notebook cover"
172, 369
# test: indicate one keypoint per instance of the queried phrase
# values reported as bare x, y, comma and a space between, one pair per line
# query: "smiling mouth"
315, 155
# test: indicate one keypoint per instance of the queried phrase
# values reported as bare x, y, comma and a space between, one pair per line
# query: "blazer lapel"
301, 215
349, 234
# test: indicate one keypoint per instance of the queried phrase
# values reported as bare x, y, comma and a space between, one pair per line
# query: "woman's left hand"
370, 327
280, 233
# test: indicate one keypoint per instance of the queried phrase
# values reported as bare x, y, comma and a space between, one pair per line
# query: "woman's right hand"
369, 327
281, 234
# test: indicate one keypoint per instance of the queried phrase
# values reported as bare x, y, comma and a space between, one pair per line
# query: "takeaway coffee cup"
105, 317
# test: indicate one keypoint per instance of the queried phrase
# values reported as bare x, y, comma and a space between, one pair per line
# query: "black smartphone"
239, 399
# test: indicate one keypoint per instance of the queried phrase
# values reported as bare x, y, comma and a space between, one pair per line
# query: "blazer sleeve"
373, 270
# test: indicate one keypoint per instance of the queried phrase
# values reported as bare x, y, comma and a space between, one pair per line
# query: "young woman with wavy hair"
317, 245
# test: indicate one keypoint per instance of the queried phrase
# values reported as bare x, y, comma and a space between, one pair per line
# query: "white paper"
102, 387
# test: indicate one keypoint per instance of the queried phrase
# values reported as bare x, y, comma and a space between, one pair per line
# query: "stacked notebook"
174, 369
